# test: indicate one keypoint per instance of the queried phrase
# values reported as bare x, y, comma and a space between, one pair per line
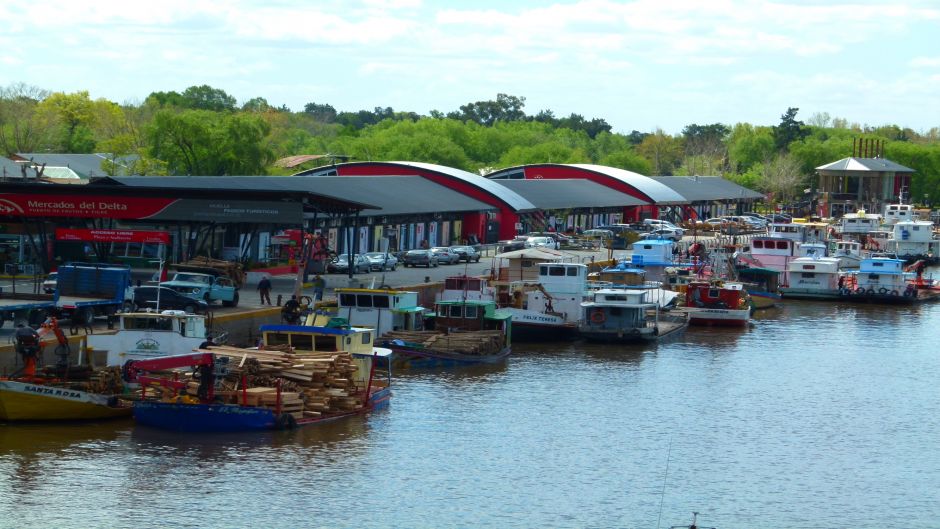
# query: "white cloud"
925, 62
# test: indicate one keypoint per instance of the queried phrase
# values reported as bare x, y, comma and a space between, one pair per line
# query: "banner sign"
154, 237
140, 208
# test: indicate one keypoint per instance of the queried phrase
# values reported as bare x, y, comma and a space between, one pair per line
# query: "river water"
816, 416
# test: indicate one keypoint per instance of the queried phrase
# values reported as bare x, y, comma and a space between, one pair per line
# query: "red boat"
717, 303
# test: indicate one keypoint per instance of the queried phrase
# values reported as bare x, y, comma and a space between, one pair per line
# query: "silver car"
445, 255
382, 261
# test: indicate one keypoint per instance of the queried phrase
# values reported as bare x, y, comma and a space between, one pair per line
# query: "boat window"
873, 277
363, 300
782, 245
471, 312
456, 311
713, 292
757, 244
380, 302
877, 264
543, 270
809, 267
303, 342
324, 342
366, 337
453, 284
276, 338
474, 285
572, 271
809, 274
556, 271
915, 228
347, 300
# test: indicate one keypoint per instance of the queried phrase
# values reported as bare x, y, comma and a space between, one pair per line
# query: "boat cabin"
466, 287
813, 249
381, 309
622, 274
859, 222
895, 213
563, 278
144, 335
912, 231
523, 265
879, 275
705, 294
653, 252
813, 274
468, 315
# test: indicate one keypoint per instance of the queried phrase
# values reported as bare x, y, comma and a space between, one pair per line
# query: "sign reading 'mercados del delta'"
116, 207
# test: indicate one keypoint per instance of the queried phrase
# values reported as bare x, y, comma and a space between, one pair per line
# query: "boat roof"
373, 291
336, 331
162, 314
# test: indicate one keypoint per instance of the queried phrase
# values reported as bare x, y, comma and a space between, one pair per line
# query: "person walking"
319, 284
264, 288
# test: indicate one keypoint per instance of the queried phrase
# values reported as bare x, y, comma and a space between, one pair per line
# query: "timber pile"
230, 269
482, 343
312, 383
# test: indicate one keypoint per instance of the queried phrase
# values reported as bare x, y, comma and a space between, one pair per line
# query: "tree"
324, 113
487, 113
256, 104
75, 115
165, 99
749, 146
205, 97
663, 151
783, 177
22, 129
789, 130
705, 146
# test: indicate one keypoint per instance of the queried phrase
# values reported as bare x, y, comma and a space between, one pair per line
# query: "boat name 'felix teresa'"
58, 392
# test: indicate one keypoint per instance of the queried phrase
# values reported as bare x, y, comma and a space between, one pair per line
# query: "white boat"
895, 213
812, 278
144, 335
859, 223
629, 315
883, 280
913, 240
849, 253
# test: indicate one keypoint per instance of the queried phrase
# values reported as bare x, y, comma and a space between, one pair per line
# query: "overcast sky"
641, 65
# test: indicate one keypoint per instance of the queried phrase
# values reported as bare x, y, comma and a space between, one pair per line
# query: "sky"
641, 65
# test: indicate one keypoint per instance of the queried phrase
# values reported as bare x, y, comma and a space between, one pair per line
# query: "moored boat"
629, 315
884, 280
814, 278
717, 303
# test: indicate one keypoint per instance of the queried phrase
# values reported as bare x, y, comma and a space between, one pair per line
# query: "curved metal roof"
657, 191
570, 193
503, 194
707, 188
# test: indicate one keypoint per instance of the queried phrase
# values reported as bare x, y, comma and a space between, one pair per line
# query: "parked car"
467, 253
780, 218
420, 257
146, 298
382, 261
205, 287
659, 223
542, 242
49, 284
516, 244
664, 233
340, 265
598, 234
445, 256
560, 237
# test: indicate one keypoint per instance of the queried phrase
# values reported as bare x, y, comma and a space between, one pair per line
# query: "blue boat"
233, 411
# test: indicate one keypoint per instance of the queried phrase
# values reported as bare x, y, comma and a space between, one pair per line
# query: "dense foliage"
203, 131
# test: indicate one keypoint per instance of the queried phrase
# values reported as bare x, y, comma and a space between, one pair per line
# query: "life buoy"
894, 292
870, 292
859, 291
882, 291
598, 316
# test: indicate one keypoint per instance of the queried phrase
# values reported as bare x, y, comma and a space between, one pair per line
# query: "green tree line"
203, 131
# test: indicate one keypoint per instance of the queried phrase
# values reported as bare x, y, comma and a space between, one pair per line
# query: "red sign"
153, 237
81, 206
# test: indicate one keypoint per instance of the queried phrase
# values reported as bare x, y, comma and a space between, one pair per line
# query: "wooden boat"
264, 408
717, 303
762, 285
629, 315
459, 332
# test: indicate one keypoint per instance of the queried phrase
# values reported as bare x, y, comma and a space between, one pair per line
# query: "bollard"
279, 300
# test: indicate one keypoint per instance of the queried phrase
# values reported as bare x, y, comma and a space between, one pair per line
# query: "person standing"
319, 284
264, 288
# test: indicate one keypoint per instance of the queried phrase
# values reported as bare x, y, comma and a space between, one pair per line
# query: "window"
877, 264
471, 312
808, 274
347, 300
873, 277
366, 337
274, 338
809, 267
324, 342
556, 271
713, 292
363, 300
456, 311
475, 285
543, 270
572, 271
527, 263
380, 302
783, 245
303, 342
757, 244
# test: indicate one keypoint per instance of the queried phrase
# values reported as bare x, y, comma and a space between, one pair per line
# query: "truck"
25, 308
204, 284
87, 290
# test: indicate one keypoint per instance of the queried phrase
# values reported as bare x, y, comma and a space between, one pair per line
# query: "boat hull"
407, 358
761, 300
228, 418
664, 331
811, 293
719, 317
23, 401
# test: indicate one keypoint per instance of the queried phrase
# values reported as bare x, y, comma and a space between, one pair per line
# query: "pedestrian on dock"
264, 288
318, 285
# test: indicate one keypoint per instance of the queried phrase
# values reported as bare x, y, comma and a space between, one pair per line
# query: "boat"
458, 333
762, 285
849, 253
913, 240
266, 408
630, 315
859, 223
814, 278
881, 279
717, 303
142, 335
61, 392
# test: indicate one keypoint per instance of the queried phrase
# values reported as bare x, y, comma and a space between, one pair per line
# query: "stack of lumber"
483, 342
231, 269
321, 383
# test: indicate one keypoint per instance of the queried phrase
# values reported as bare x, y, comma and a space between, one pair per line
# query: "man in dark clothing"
264, 288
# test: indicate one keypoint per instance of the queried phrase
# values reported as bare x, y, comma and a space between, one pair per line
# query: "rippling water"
816, 416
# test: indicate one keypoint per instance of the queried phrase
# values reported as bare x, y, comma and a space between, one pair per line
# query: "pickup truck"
207, 287
87, 290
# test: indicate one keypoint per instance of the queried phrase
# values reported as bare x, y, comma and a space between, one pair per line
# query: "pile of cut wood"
483, 342
313, 383
231, 269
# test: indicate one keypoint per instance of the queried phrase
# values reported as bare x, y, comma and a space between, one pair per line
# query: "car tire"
234, 302
393, 267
